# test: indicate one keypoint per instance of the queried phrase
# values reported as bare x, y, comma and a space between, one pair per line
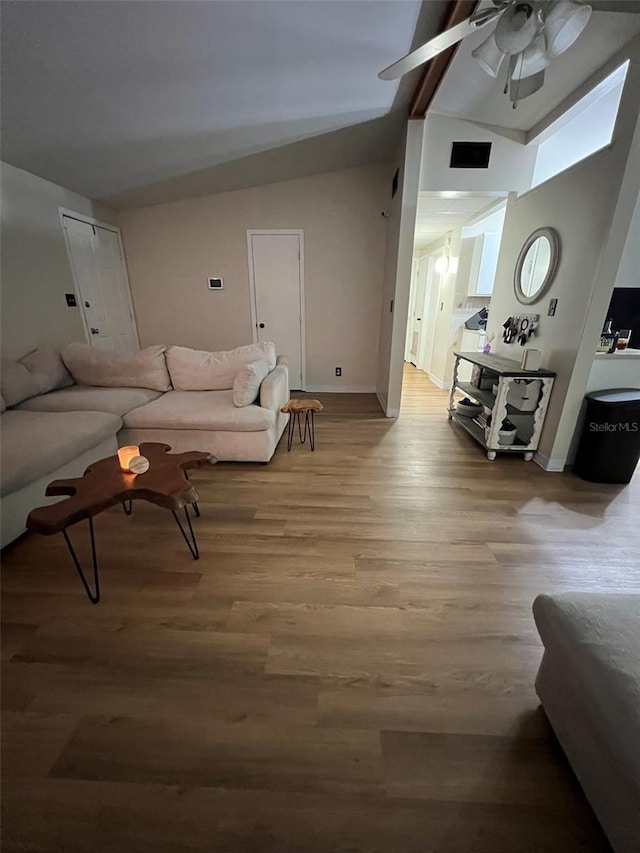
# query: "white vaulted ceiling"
107, 97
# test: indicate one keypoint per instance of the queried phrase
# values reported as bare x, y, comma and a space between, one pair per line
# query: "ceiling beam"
436, 68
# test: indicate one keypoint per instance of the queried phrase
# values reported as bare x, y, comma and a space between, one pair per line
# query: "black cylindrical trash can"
609, 447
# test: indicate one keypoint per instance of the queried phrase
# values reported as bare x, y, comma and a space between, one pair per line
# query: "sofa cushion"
47, 362
38, 372
89, 398
18, 383
208, 410
598, 635
36, 443
198, 370
246, 385
93, 366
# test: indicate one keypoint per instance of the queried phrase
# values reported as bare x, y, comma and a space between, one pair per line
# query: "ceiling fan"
529, 34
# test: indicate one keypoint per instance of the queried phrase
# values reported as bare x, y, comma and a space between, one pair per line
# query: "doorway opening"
455, 255
424, 296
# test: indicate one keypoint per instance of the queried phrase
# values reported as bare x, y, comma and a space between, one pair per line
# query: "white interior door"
276, 272
408, 343
430, 313
102, 286
417, 309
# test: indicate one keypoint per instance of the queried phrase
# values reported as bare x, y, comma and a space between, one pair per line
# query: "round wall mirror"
536, 266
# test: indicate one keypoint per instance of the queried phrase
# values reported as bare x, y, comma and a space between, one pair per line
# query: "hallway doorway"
420, 396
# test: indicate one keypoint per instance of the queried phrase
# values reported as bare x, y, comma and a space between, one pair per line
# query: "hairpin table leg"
127, 506
292, 423
310, 424
192, 543
94, 598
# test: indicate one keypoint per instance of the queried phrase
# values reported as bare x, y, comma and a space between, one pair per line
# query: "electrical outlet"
338, 371
71, 300
553, 304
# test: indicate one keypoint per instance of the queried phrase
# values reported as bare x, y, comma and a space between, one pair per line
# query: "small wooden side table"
308, 408
105, 484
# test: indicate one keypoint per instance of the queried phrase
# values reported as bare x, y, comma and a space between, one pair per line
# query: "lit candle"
126, 454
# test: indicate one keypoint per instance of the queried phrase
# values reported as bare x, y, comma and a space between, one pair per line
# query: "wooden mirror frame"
554, 242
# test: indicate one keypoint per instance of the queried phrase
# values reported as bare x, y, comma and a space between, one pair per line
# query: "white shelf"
529, 423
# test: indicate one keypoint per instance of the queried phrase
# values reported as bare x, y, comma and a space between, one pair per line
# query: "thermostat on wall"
216, 284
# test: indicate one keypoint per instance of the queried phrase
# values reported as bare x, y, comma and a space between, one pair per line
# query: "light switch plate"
553, 304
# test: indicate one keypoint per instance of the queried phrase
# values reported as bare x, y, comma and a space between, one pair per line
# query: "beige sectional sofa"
66, 410
589, 686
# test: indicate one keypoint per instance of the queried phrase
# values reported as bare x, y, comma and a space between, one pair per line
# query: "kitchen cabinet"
478, 262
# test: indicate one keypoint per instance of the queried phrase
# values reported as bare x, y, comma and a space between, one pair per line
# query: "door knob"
261, 325
95, 331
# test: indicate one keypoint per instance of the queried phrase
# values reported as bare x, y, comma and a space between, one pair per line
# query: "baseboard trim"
555, 466
388, 413
445, 386
341, 389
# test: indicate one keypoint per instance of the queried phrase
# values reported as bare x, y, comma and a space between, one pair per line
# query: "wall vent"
470, 155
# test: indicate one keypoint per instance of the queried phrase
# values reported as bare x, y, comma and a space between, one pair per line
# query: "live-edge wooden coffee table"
105, 484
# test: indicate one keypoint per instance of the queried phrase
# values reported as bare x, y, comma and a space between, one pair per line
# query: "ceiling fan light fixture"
564, 23
532, 60
488, 56
516, 28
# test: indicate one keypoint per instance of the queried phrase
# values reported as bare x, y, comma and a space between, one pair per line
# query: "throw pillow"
18, 383
144, 369
48, 362
246, 385
38, 372
199, 370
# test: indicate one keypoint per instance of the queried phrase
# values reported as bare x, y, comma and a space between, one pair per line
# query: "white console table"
503, 372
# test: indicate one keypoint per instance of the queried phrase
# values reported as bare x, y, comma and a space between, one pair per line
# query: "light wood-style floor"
349, 666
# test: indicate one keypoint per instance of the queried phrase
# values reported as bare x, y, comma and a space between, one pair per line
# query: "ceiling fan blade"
483, 16
432, 48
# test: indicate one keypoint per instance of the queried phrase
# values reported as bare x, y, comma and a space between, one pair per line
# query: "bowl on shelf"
468, 408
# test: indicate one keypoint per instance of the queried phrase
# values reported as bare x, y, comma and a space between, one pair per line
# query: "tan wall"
35, 268
591, 206
397, 275
511, 163
172, 249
